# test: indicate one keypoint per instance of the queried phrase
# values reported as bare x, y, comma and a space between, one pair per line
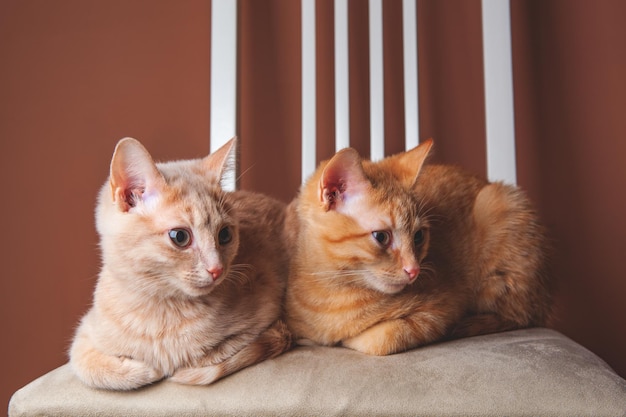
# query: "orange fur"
194, 313
475, 275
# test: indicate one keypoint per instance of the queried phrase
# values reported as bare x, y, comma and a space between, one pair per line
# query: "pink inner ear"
129, 186
132, 197
134, 175
335, 179
138, 190
343, 178
333, 185
332, 193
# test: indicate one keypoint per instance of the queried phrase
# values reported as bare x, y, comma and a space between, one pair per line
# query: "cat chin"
199, 289
385, 286
393, 288
195, 292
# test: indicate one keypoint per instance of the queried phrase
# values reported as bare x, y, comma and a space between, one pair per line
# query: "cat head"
366, 219
165, 227
406, 166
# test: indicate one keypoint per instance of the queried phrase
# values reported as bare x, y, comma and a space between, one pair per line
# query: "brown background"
77, 76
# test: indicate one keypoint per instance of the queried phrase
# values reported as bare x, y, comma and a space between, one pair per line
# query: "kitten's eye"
418, 239
225, 236
180, 237
383, 238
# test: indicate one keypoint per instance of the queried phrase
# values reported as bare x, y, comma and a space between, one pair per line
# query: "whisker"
427, 271
334, 278
244, 172
322, 276
240, 274
221, 202
339, 272
352, 276
242, 267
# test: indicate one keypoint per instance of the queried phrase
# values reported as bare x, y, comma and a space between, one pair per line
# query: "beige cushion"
525, 372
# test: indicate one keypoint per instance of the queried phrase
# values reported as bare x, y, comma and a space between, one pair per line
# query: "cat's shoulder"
449, 172
444, 177
254, 209
255, 201
261, 220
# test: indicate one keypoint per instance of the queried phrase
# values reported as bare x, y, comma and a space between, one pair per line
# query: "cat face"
383, 241
167, 228
368, 222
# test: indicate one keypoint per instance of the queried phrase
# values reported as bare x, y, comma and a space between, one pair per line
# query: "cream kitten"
192, 279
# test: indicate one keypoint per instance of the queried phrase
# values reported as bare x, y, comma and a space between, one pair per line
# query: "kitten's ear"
410, 162
134, 178
222, 160
343, 180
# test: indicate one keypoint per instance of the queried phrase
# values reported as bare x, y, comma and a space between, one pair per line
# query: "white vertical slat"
411, 91
499, 111
342, 85
224, 78
377, 113
308, 88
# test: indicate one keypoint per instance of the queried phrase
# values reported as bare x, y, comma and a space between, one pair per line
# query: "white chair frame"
498, 80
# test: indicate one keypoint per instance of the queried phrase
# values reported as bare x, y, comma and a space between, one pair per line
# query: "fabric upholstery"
524, 372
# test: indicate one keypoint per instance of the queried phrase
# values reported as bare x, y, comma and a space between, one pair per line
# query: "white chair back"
499, 114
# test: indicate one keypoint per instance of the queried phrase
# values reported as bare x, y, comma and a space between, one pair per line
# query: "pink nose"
216, 272
412, 271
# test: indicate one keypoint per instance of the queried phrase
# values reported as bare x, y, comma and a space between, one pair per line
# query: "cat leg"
305, 342
99, 370
393, 336
271, 343
481, 323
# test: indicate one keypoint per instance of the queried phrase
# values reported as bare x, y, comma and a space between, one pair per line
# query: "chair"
524, 372
498, 81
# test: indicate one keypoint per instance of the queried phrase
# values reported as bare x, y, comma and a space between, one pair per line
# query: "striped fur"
481, 261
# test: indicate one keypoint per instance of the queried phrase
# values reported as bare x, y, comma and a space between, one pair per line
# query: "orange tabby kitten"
386, 260
191, 285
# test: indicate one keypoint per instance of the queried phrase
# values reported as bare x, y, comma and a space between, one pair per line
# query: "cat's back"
262, 243
449, 187
260, 216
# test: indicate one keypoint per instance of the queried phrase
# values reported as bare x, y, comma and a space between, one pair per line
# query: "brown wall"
76, 76
570, 84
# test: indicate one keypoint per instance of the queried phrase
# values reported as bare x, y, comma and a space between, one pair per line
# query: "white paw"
135, 374
370, 342
115, 373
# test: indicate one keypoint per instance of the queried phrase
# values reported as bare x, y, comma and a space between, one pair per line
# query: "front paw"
369, 342
385, 338
114, 373
133, 374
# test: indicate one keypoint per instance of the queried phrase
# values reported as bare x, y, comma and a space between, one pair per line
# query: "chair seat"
524, 372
